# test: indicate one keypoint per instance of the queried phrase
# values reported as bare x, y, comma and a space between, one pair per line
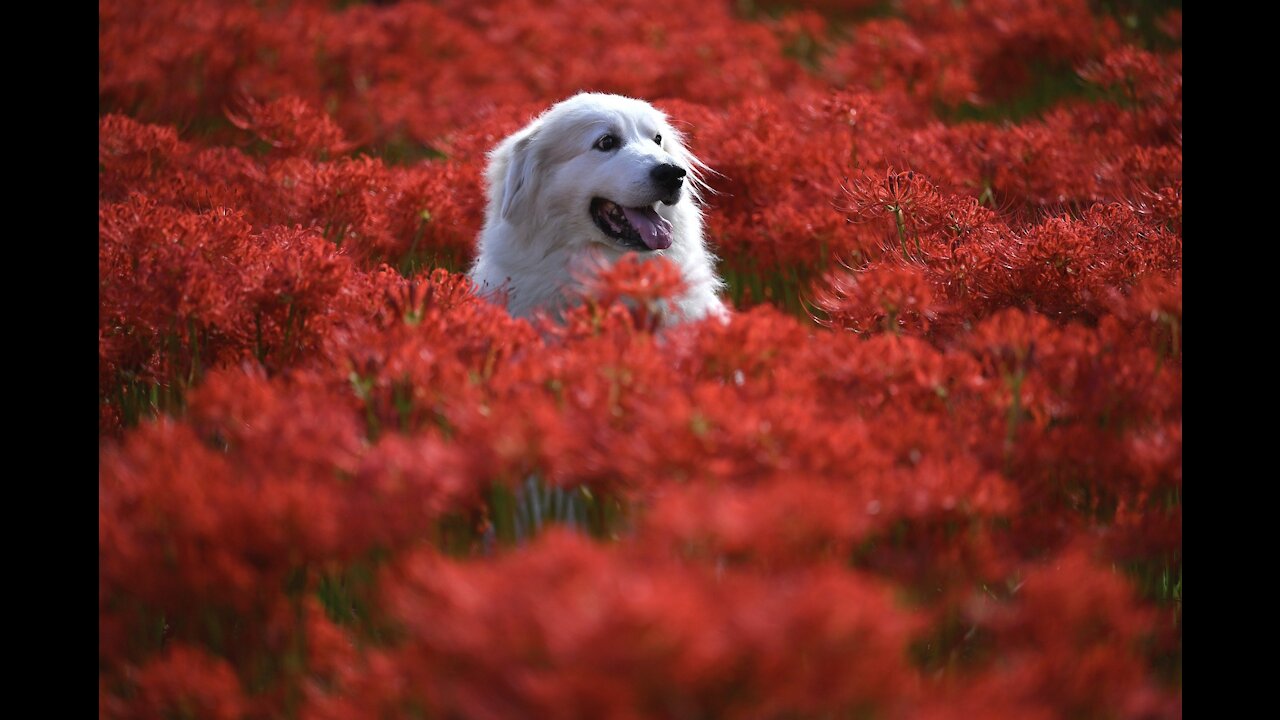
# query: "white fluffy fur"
538, 232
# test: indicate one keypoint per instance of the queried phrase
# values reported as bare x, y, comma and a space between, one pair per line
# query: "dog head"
596, 169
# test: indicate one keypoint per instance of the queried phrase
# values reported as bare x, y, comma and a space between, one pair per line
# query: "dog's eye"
657, 139
606, 143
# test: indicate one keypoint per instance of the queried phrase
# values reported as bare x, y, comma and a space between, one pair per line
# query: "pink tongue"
653, 228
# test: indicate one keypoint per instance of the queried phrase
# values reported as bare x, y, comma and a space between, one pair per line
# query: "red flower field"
931, 468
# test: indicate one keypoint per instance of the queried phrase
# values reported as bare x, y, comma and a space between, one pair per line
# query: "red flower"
330, 474
291, 127
887, 297
187, 681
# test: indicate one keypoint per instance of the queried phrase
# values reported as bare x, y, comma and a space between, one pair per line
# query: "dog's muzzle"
669, 178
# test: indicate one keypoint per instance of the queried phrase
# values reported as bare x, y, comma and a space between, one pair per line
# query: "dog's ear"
517, 185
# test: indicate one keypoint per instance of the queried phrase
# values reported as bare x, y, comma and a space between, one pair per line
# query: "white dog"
594, 177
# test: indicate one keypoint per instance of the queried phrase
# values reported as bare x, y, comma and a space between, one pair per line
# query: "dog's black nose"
669, 177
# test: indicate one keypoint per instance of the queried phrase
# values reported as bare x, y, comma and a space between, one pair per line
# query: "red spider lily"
291, 127
372, 211
185, 681
1153, 309
778, 165
1171, 24
1071, 639
181, 292
619, 639
890, 298
646, 288
129, 152
1062, 266
405, 72
957, 54
1144, 78
789, 523
167, 502
326, 465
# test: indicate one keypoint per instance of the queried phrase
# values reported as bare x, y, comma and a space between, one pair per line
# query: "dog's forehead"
612, 112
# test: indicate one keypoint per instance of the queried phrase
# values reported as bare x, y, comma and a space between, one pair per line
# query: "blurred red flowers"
333, 483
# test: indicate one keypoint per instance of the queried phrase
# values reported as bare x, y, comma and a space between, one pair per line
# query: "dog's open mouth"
639, 228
